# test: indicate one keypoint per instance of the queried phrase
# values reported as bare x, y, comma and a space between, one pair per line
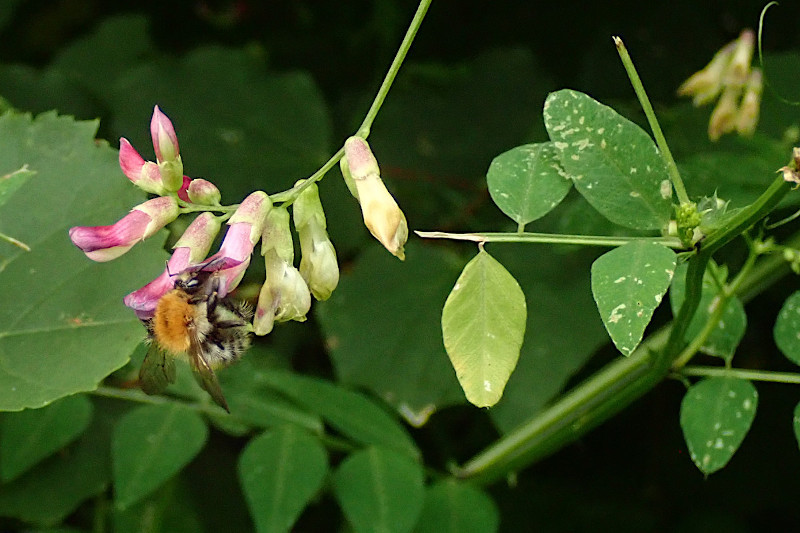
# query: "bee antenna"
168, 272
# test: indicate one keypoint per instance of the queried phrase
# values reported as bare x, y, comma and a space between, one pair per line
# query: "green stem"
289, 196
394, 68
644, 101
549, 238
741, 373
15, 242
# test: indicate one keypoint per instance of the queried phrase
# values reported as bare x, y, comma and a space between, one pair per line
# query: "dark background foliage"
474, 84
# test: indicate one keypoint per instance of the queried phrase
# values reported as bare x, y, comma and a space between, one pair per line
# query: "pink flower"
183, 192
143, 174
190, 250
165, 141
104, 243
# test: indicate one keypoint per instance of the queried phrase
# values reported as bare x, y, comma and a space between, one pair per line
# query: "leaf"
398, 306
379, 490
280, 472
527, 182
150, 445
350, 413
716, 414
29, 436
628, 284
170, 509
725, 338
55, 487
483, 323
787, 328
453, 507
561, 297
63, 327
613, 162
12, 181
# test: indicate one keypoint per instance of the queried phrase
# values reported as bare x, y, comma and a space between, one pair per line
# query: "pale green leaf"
527, 182
726, 335
379, 490
150, 445
29, 436
454, 507
63, 327
280, 472
349, 412
787, 328
614, 164
483, 323
716, 414
628, 284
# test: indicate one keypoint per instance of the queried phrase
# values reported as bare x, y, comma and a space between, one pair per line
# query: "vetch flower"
382, 216
723, 118
143, 174
747, 119
284, 295
318, 264
739, 68
165, 144
703, 86
792, 175
191, 249
104, 243
244, 231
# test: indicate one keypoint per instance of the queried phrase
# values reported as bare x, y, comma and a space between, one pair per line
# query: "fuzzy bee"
192, 319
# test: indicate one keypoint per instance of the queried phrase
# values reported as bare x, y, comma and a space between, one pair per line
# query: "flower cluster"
738, 85
287, 291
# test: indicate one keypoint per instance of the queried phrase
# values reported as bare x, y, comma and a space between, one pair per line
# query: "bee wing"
204, 373
157, 370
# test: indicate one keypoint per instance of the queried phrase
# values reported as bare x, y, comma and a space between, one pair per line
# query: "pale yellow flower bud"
723, 118
747, 120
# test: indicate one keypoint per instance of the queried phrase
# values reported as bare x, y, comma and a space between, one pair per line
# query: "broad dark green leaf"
716, 414
379, 490
787, 328
398, 307
614, 164
483, 323
628, 284
280, 472
150, 445
29, 436
724, 339
350, 413
796, 423
527, 182
170, 509
55, 487
453, 507
63, 326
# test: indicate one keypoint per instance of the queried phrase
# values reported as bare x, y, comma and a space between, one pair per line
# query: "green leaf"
560, 295
614, 163
628, 284
150, 445
379, 490
527, 182
453, 507
280, 472
170, 509
55, 487
398, 305
63, 327
12, 181
350, 413
787, 328
483, 323
725, 338
29, 436
796, 423
716, 414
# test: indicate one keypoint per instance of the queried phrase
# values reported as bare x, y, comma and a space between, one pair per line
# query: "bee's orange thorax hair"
171, 321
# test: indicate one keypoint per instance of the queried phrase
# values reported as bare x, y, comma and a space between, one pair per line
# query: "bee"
192, 319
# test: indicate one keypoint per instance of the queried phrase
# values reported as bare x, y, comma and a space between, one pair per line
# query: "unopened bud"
318, 264
277, 235
203, 192
747, 120
723, 118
